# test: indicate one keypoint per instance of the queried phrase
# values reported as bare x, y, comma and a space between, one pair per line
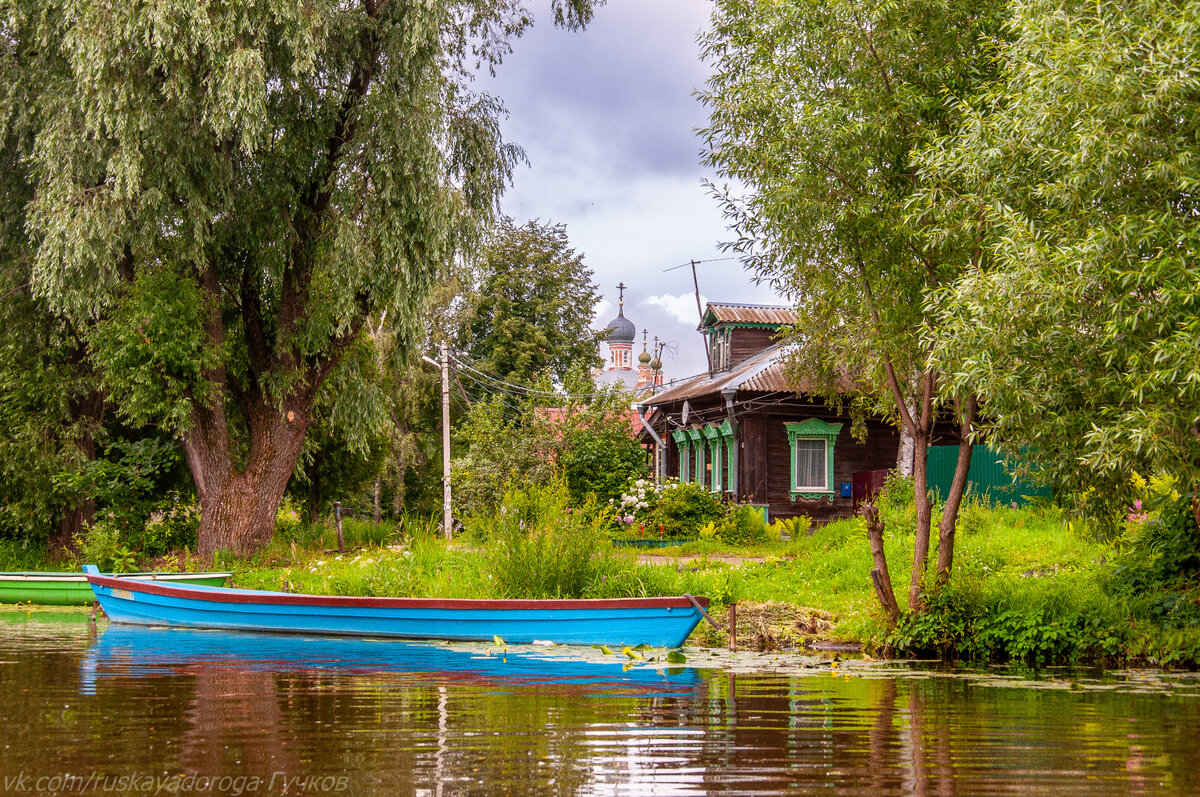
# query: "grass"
825, 571
1027, 585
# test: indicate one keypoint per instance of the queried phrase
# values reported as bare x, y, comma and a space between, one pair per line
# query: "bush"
1034, 621
1163, 548
1159, 569
743, 525
104, 546
599, 462
537, 547
795, 527
172, 526
683, 509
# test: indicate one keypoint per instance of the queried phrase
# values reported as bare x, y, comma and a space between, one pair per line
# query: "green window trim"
696, 435
685, 454
699, 445
713, 436
813, 429
720, 441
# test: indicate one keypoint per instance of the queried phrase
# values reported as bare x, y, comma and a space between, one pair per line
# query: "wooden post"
337, 521
733, 626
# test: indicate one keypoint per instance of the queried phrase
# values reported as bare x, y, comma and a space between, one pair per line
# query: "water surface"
112, 710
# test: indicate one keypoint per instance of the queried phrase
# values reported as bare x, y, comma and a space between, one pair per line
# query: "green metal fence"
988, 477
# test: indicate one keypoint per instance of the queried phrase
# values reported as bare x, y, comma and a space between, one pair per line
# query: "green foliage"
225, 197
742, 525
1068, 620
500, 450
532, 306
599, 461
104, 546
16, 555
1079, 326
153, 352
1158, 569
683, 508
171, 527
537, 547
794, 527
527, 444
127, 482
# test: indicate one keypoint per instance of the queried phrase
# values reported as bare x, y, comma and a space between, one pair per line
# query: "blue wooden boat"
126, 651
661, 622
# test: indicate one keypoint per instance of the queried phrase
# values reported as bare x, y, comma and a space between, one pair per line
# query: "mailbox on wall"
847, 490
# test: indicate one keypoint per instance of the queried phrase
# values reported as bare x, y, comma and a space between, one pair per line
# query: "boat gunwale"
264, 597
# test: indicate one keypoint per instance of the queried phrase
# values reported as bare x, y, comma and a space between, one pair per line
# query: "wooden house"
742, 431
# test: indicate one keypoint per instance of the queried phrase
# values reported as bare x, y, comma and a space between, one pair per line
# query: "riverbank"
1029, 586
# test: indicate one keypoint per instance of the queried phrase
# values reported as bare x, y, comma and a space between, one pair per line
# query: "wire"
525, 389
712, 259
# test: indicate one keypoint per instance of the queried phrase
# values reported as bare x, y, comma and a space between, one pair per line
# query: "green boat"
72, 589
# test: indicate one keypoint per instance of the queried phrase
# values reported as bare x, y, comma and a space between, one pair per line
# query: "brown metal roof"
761, 373
723, 312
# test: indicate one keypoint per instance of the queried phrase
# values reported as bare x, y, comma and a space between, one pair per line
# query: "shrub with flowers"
666, 510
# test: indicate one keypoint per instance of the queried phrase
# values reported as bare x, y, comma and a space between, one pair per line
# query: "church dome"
644, 357
620, 329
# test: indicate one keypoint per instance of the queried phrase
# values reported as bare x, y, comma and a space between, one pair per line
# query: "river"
100, 709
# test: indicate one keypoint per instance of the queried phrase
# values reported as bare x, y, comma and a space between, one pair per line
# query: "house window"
718, 340
812, 444
685, 454
706, 456
809, 467
699, 474
712, 435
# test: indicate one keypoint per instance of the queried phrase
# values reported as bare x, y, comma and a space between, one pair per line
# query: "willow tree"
225, 193
817, 110
1081, 331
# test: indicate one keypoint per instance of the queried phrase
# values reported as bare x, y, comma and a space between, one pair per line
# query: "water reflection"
383, 717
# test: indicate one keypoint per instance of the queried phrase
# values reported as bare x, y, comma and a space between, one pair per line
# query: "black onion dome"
620, 329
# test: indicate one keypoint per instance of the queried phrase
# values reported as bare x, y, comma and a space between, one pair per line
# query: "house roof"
761, 373
756, 314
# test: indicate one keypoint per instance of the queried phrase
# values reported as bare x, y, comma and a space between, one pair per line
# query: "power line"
525, 389
712, 259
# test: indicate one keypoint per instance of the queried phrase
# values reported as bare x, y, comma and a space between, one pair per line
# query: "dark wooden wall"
764, 457
745, 343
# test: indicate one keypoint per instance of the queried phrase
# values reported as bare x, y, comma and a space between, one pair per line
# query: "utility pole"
447, 515
700, 312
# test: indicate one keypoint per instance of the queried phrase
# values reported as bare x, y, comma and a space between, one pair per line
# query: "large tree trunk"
238, 506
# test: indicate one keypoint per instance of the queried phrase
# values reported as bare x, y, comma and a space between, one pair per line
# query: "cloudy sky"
607, 118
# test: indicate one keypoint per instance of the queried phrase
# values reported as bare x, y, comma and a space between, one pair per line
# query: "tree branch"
307, 220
